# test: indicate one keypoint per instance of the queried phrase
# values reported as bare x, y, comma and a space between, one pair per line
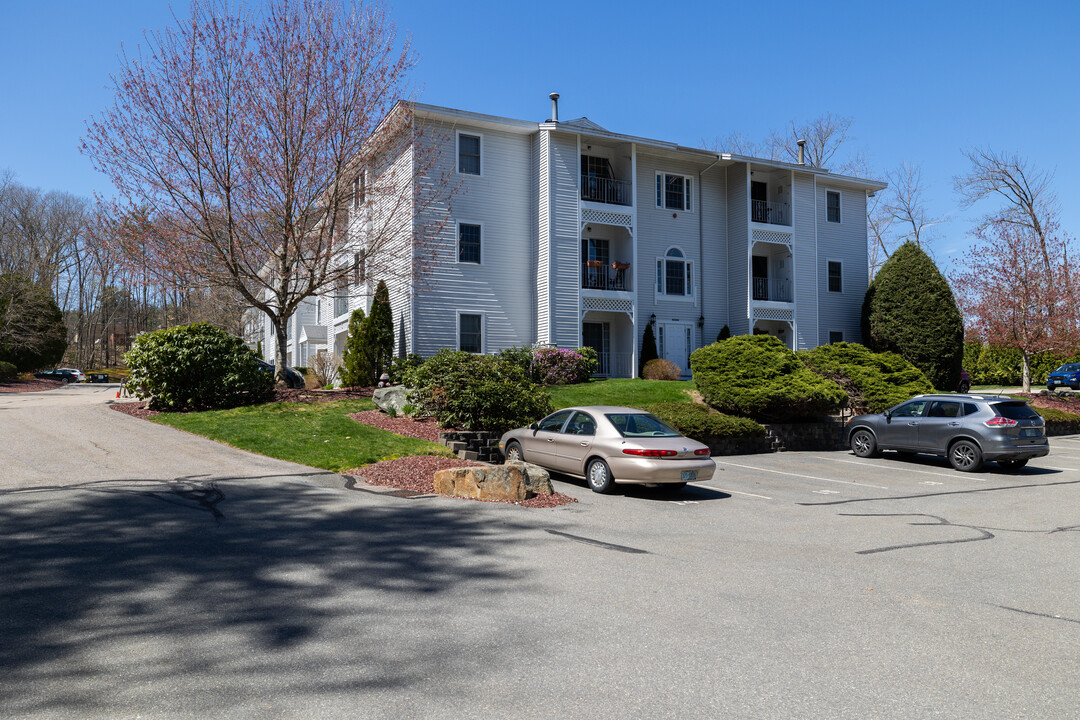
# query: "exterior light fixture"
652, 319
701, 322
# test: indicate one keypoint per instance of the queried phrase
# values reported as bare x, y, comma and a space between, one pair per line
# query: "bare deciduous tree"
252, 138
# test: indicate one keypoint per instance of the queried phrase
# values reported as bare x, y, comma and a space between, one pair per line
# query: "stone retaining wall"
826, 434
478, 445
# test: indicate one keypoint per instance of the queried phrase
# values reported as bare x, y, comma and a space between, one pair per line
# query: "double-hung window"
836, 276
471, 333
674, 192
674, 274
468, 243
468, 154
832, 206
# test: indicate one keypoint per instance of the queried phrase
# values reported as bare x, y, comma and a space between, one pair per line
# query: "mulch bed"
422, 428
31, 385
416, 474
1067, 403
135, 409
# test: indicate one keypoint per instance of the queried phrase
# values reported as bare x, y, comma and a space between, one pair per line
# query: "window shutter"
689, 278
659, 190
689, 203
660, 276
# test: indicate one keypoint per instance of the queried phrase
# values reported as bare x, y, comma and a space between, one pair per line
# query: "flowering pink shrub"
552, 366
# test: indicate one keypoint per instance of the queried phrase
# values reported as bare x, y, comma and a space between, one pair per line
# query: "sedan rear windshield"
1019, 410
640, 425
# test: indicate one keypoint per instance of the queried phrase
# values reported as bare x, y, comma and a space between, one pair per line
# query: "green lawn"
316, 434
629, 392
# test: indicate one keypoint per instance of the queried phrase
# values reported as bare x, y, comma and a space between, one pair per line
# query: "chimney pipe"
554, 107
802, 151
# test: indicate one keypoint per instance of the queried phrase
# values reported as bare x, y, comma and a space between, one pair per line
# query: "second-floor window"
836, 276
468, 243
469, 154
674, 192
674, 274
832, 206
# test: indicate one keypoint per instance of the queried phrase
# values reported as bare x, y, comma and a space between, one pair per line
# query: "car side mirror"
887, 414
534, 426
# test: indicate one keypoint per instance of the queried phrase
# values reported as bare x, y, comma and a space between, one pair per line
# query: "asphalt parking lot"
150, 573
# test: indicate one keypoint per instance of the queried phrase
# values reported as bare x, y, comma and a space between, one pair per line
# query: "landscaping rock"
390, 399
512, 482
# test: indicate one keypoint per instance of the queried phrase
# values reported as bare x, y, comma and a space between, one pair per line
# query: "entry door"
676, 344
595, 335
759, 194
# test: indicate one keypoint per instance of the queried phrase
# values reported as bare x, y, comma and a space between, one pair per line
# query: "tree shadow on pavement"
234, 597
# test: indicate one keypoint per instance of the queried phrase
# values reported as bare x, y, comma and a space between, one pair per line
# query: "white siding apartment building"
567, 234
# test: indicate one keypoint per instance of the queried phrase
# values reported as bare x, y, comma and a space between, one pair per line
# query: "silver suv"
967, 429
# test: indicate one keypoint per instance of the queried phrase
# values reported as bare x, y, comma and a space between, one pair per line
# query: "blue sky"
922, 80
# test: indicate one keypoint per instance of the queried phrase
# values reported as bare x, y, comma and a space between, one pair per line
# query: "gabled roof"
583, 123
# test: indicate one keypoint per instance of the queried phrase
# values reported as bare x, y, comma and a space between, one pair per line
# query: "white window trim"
457, 153
829, 333
690, 272
457, 242
483, 329
840, 206
688, 199
841, 264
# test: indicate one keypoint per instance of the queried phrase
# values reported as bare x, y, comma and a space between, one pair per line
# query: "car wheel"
1012, 464
964, 387
64, 381
513, 452
863, 444
599, 476
965, 456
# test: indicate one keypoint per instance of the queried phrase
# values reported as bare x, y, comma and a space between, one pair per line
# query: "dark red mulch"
31, 385
422, 428
1066, 403
135, 409
416, 474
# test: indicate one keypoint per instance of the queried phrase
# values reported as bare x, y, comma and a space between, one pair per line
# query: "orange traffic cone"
117, 394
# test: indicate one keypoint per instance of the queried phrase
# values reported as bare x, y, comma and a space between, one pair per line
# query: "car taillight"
999, 422
649, 453
703, 451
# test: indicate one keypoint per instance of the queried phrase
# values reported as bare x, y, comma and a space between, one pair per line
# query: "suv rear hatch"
1018, 421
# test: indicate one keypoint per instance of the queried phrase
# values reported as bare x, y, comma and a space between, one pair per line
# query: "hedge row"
696, 421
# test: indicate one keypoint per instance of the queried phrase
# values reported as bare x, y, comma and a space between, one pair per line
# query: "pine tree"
910, 310
648, 349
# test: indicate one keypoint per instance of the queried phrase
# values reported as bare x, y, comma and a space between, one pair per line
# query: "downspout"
701, 242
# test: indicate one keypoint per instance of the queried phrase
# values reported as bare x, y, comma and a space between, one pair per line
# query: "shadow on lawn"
204, 597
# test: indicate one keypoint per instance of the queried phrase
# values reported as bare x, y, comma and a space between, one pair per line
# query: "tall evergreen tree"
356, 367
910, 310
379, 333
648, 348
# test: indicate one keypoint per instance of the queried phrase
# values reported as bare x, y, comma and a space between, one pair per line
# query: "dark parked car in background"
1068, 375
967, 429
293, 379
64, 375
965, 381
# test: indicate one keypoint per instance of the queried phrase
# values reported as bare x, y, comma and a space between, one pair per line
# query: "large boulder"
513, 482
390, 399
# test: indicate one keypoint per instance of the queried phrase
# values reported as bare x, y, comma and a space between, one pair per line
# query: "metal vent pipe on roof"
802, 151
554, 107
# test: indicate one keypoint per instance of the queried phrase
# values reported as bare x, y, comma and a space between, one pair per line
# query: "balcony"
606, 190
773, 213
775, 290
597, 275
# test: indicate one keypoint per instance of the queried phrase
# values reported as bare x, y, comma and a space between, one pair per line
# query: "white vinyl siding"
738, 233
841, 246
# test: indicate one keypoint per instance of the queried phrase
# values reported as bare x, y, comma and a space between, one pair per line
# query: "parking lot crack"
984, 534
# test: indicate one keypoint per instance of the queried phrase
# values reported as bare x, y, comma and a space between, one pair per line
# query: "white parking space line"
1051, 467
800, 475
953, 476
736, 492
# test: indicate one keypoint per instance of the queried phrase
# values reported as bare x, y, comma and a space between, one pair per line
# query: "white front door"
676, 344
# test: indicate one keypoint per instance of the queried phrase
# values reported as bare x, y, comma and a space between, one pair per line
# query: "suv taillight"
999, 422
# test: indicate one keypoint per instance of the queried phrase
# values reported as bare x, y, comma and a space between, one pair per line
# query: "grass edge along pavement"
318, 435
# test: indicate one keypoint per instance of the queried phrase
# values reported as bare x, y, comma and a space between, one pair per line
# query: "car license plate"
689, 475
1030, 432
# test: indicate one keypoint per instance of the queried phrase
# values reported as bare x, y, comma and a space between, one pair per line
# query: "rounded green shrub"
195, 367
757, 376
910, 310
696, 421
874, 381
8, 371
477, 392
